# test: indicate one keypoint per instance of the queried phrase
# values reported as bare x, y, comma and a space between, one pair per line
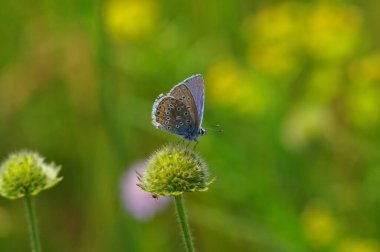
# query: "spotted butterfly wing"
171, 115
196, 86
181, 111
182, 93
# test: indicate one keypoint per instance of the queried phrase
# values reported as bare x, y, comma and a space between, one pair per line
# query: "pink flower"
140, 204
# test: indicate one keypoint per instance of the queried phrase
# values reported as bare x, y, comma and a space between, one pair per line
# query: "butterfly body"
180, 112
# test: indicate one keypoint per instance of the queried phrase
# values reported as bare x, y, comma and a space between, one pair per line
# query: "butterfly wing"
182, 93
196, 86
171, 115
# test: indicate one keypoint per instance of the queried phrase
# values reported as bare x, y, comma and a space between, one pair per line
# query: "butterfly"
180, 112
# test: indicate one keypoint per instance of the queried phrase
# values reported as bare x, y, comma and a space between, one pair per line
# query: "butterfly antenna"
216, 128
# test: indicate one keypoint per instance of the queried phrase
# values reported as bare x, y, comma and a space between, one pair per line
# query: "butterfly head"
202, 131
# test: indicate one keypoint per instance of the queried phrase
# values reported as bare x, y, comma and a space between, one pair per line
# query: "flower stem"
182, 218
33, 228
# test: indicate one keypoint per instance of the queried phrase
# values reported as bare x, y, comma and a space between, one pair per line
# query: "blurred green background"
294, 84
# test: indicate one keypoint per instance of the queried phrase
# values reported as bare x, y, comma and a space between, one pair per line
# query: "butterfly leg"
196, 144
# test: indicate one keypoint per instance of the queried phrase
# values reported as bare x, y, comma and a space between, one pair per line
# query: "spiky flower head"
174, 170
26, 173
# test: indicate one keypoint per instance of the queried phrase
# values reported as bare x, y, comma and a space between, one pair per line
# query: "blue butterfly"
181, 111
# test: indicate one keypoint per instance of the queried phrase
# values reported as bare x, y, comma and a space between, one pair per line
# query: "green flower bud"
174, 170
26, 173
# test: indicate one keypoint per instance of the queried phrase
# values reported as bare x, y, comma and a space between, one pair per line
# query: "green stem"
183, 223
33, 228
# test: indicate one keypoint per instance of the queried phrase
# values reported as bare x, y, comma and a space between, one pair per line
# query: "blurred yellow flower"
333, 30
363, 105
132, 20
358, 245
324, 84
229, 85
304, 124
319, 225
280, 36
271, 34
276, 23
272, 59
366, 71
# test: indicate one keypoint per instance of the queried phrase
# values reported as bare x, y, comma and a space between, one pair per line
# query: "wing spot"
188, 121
183, 97
188, 98
171, 105
186, 113
168, 127
167, 113
167, 118
179, 109
177, 126
180, 123
166, 122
